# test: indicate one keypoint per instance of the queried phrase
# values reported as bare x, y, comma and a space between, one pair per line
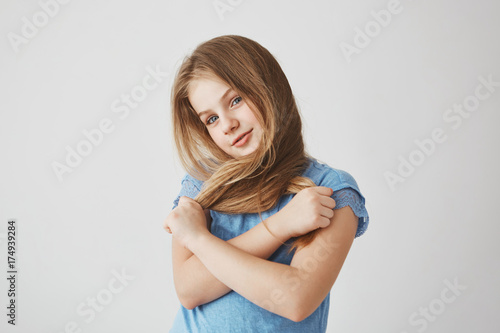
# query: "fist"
186, 221
310, 209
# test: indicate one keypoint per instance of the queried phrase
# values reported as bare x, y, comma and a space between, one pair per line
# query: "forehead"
205, 92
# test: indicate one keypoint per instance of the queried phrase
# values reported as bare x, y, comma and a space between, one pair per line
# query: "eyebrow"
220, 101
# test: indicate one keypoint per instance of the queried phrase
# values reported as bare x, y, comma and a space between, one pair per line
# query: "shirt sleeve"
347, 193
349, 197
190, 187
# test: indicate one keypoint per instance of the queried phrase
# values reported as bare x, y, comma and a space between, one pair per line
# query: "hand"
310, 209
186, 221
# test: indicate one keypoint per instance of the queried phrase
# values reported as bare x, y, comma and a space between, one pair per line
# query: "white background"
362, 115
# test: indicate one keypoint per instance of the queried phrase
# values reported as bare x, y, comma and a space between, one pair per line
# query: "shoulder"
346, 191
324, 175
190, 187
189, 180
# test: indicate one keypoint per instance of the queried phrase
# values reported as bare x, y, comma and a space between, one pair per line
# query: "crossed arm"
206, 267
196, 285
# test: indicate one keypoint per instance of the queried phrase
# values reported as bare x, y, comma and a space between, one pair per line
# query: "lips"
240, 137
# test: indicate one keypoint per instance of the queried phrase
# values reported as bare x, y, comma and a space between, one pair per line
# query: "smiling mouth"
241, 137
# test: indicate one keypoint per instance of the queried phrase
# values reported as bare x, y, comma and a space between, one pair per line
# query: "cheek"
217, 139
250, 117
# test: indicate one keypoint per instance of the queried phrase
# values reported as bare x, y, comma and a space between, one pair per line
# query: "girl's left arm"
293, 291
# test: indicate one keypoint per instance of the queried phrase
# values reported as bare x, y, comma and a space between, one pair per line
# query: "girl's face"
228, 118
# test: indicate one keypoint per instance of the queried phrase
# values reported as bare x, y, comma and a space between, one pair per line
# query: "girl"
260, 229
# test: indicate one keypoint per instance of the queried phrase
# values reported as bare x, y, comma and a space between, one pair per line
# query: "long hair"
255, 182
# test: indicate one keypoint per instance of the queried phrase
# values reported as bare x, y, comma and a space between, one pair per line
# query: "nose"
229, 124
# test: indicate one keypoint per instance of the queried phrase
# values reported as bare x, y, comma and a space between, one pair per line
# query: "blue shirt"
234, 313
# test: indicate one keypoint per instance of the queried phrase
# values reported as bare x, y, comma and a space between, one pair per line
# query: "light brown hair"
255, 182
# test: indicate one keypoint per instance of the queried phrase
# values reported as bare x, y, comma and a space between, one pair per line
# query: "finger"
327, 212
324, 222
184, 199
323, 190
166, 227
328, 202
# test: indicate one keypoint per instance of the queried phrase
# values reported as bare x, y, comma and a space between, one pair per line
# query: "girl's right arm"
308, 210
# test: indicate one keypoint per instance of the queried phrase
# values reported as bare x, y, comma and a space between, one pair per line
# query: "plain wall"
366, 103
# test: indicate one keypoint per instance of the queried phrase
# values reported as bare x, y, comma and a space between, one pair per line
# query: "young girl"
260, 229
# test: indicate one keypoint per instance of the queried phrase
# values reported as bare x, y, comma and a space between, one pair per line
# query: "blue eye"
236, 99
211, 119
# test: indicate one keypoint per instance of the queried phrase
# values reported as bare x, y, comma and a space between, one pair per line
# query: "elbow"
296, 318
188, 301
298, 315
188, 298
301, 308
189, 304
